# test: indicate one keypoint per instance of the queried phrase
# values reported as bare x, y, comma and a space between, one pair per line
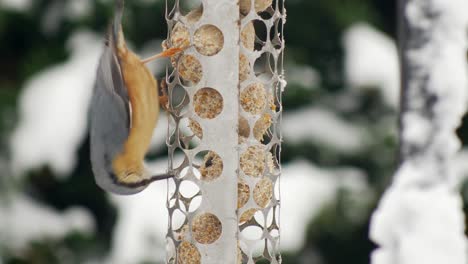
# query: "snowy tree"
420, 218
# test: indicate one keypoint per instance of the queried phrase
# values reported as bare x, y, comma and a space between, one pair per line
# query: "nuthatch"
124, 112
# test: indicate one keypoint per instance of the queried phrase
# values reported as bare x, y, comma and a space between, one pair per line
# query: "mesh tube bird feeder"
224, 138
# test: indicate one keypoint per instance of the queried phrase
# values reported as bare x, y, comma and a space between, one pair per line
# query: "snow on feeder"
225, 106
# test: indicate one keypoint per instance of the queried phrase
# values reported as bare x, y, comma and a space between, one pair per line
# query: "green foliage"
39, 252
51, 251
339, 238
313, 32
298, 96
81, 190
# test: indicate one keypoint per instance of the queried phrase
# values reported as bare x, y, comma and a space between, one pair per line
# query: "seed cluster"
196, 128
253, 98
207, 103
190, 69
252, 161
206, 228
263, 192
188, 253
260, 5
211, 167
243, 193
208, 40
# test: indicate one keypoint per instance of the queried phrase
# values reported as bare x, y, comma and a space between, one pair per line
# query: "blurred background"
339, 127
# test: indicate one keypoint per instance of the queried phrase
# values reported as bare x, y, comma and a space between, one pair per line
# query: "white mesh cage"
224, 131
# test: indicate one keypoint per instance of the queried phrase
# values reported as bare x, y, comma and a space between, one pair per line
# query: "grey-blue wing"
110, 119
109, 73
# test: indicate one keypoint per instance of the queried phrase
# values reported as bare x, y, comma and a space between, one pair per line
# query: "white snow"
305, 189
78, 9
149, 49
22, 220
142, 224
418, 225
420, 218
57, 12
16, 5
141, 227
304, 75
371, 60
419, 131
53, 110
321, 125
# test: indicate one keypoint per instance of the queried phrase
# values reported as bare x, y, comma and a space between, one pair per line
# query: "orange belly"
142, 91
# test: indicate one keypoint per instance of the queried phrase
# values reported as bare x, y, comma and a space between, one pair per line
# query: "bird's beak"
165, 54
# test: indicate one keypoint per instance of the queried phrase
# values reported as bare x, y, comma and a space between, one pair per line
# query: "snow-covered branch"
420, 218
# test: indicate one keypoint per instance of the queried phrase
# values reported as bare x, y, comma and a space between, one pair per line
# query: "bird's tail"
115, 33
117, 23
